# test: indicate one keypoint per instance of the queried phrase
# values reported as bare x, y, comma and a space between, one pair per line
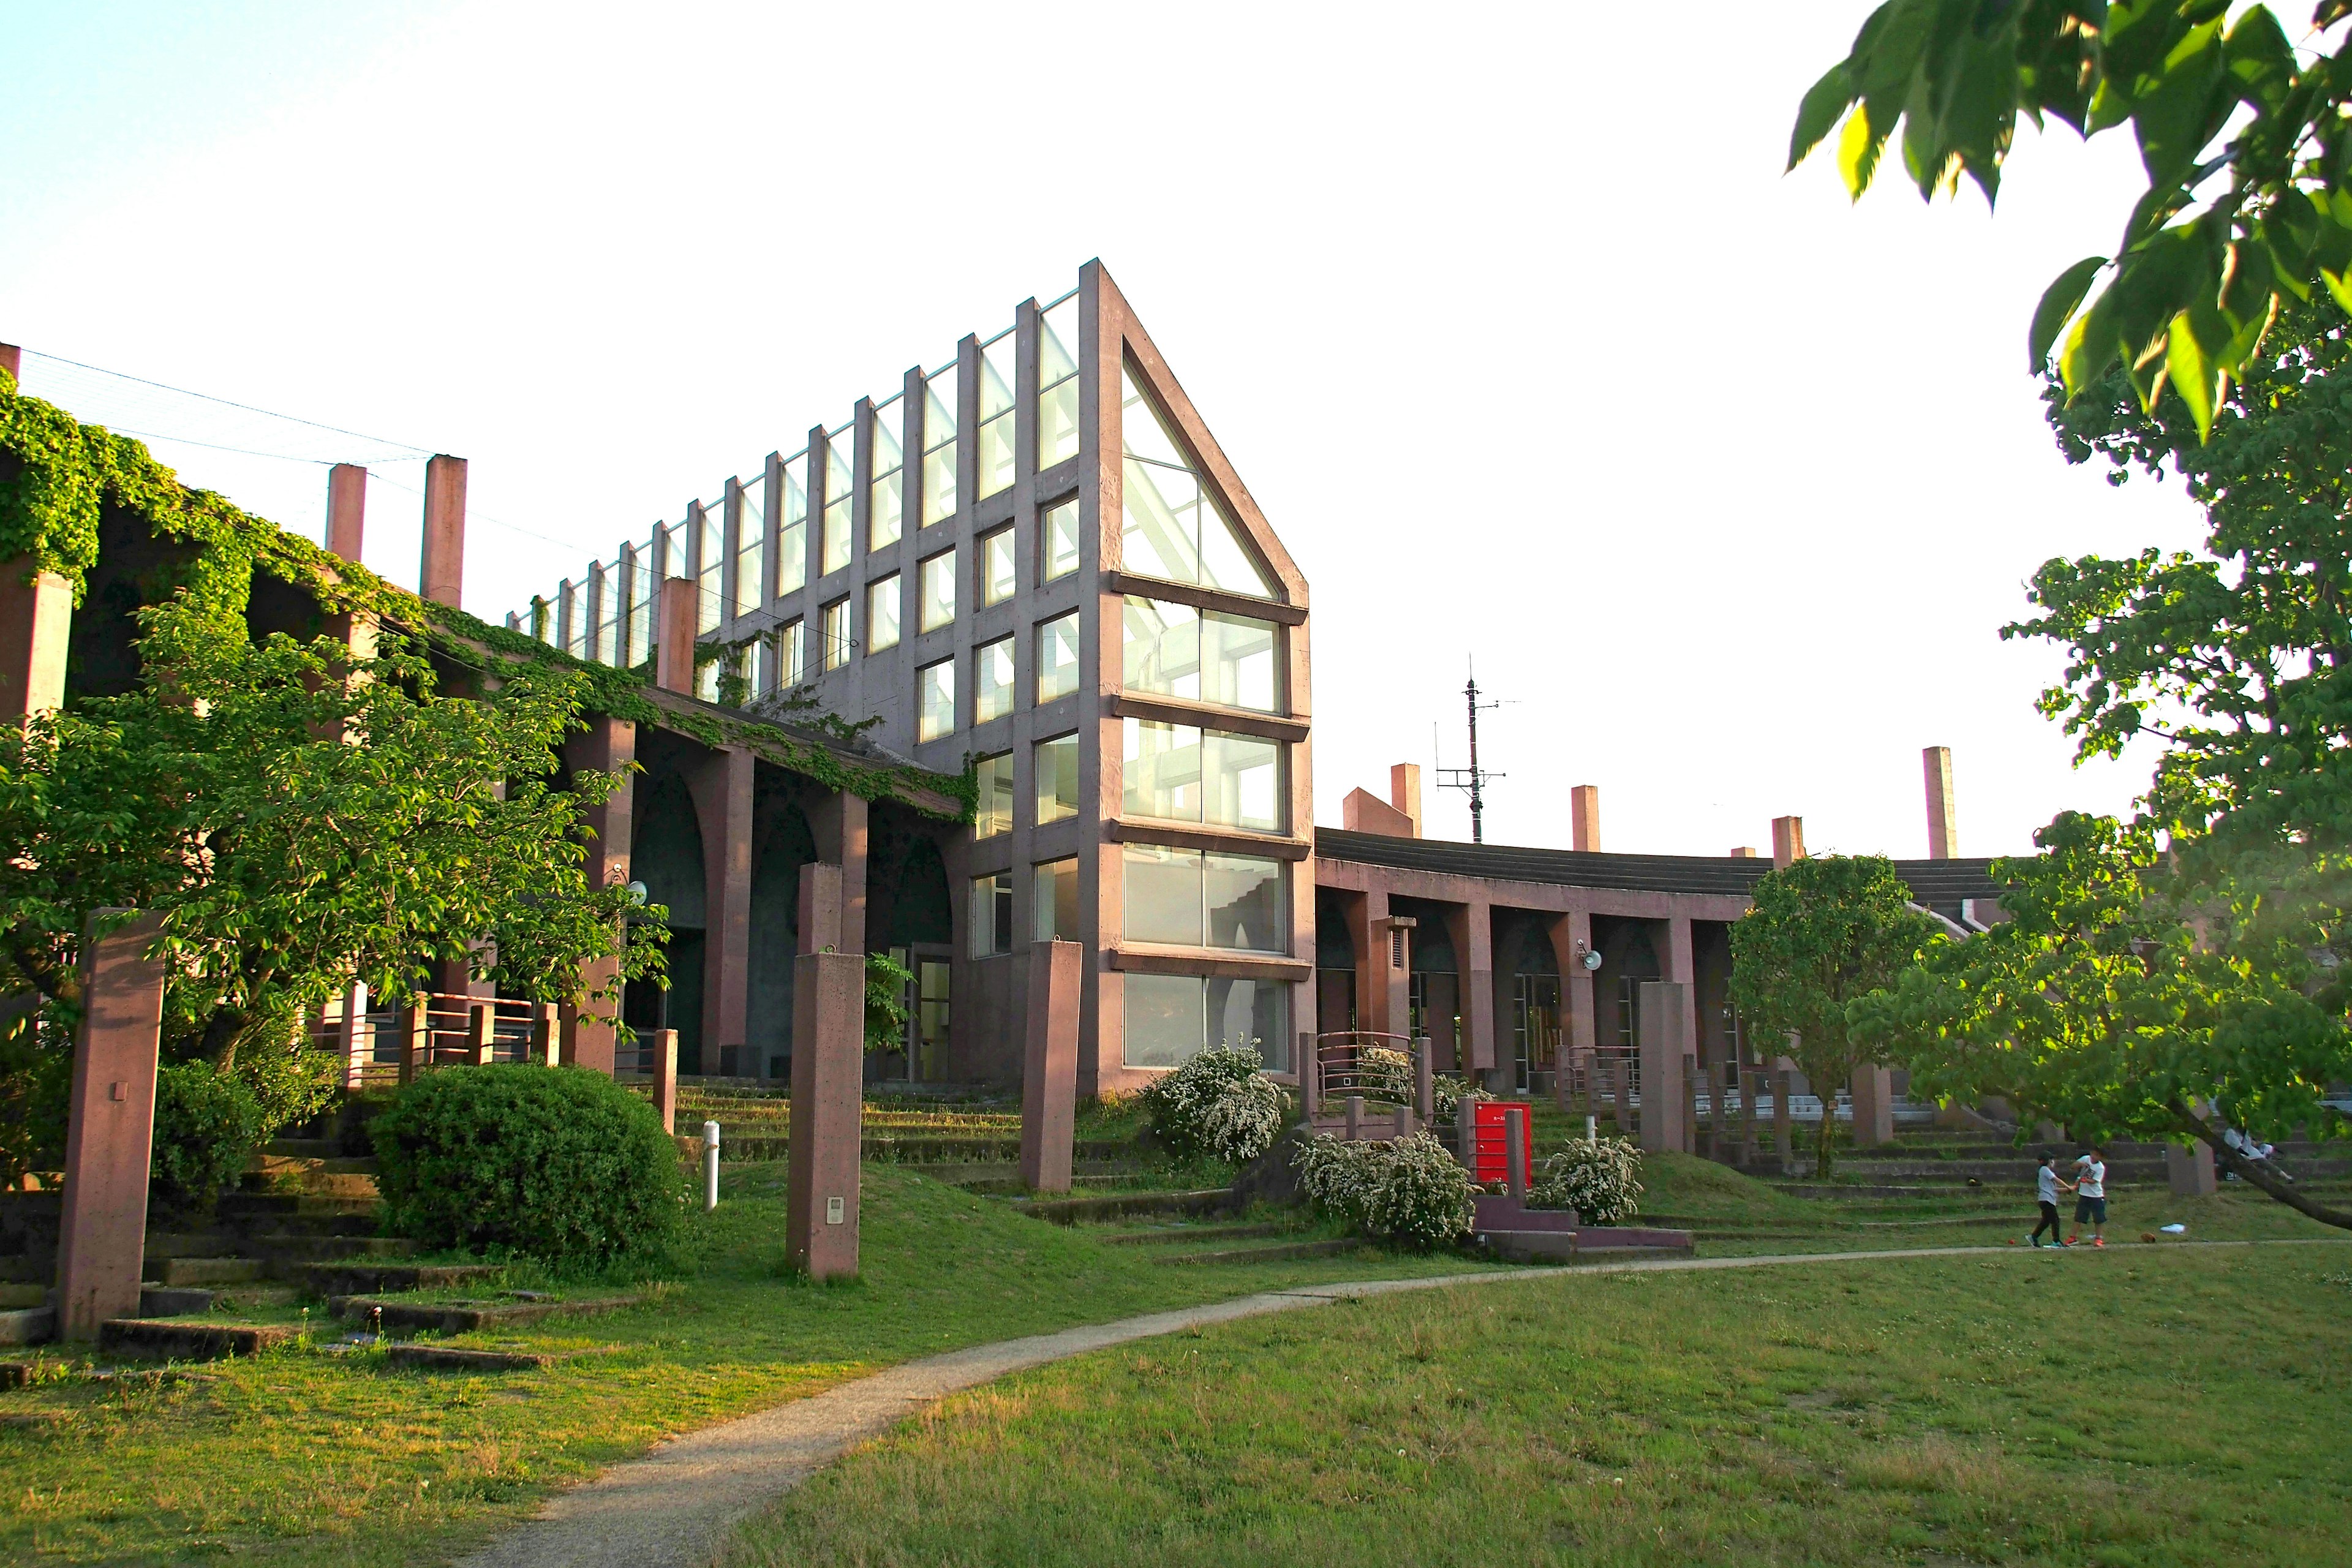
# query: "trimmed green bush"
562, 1163
207, 1125
1601, 1181
1406, 1189
1218, 1105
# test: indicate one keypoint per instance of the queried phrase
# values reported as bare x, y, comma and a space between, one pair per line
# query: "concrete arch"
666, 855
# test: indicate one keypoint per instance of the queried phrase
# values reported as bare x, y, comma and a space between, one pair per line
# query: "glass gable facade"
1171, 526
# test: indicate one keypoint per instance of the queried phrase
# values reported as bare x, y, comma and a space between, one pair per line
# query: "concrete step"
1190, 1235
28, 1293
391, 1314
362, 1279
1275, 1252
167, 1301
285, 1251
180, 1340
28, 1326
193, 1271
1070, 1211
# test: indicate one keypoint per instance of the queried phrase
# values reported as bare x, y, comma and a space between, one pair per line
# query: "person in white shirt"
2047, 1185
2091, 1194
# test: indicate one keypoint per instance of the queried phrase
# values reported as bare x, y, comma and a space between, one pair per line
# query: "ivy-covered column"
609, 745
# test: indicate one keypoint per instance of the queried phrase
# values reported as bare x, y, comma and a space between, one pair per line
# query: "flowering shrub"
1407, 1189
1446, 1095
1600, 1181
1385, 1074
1216, 1104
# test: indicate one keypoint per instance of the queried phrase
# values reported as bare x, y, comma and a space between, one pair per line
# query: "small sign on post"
710, 1166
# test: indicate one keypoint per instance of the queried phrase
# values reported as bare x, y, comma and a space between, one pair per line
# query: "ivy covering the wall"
70, 471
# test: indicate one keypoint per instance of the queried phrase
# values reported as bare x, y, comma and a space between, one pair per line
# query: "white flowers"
1600, 1181
1218, 1104
1407, 1189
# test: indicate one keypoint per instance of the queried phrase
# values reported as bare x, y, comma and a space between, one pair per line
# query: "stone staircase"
1951, 1165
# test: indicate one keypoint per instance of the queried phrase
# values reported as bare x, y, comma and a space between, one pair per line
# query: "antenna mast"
1472, 778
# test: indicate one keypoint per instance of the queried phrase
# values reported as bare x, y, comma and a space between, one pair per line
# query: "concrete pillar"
665, 1076
546, 1034
36, 624
1584, 817
1404, 792
351, 1037
12, 360
674, 642
1943, 817
481, 1020
828, 1086
820, 908
1572, 939
1394, 958
346, 511
1474, 958
1872, 1088
608, 745
1745, 852
1788, 840
441, 573
110, 1131
720, 785
1049, 1069
1678, 961
1367, 920
838, 822
2190, 1172
416, 1039
1663, 1016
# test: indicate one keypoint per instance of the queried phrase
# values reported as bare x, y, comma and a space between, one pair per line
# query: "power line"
227, 402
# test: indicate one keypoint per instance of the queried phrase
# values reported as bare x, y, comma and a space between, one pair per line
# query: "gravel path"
673, 1508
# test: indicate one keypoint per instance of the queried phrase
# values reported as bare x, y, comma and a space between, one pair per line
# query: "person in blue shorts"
2091, 1194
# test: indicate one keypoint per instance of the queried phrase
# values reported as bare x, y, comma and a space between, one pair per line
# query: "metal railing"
385, 1047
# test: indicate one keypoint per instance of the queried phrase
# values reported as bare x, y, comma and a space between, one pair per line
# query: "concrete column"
1368, 915
608, 745
441, 574
1474, 958
720, 785
1665, 1011
820, 908
674, 642
36, 624
2190, 1172
1392, 960
1678, 961
351, 1037
839, 826
346, 510
1872, 1088
1572, 939
1788, 840
1049, 1071
828, 1074
1943, 817
664, 1075
481, 1021
1404, 792
1584, 817
109, 1135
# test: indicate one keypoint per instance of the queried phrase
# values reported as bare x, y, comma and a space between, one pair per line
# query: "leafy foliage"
1407, 1189
1218, 1104
561, 1164
206, 1124
886, 983
1601, 1180
1822, 934
2243, 141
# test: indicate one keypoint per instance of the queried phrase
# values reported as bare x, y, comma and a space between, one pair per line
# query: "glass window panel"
886, 501
1161, 771
1171, 527
839, 477
991, 929
1238, 658
996, 455
996, 567
1225, 564
882, 613
1057, 659
1057, 778
752, 547
994, 812
792, 537
837, 634
940, 446
1057, 380
996, 378
792, 654
1162, 898
1165, 1019
1246, 903
1057, 543
939, 590
575, 621
935, 712
1054, 901
991, 682
641, 605
1241, 780
1159, 648
996, 383
710, 541
1252, 1013
1057, 342
607, 600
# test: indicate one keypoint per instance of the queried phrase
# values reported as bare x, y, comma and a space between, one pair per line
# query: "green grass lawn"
302, 1457
2144, 1405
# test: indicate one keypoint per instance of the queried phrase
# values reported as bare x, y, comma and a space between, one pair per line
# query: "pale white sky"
1506, 315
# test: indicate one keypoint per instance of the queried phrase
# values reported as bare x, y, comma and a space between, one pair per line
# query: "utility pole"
1472, 778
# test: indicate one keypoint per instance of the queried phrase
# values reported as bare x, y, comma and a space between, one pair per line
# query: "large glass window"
710, 561
1170, 525
939, 592
1057, 384
995, 411
752, 547
836, 632
604, 593
1057, 657
882, 613
1057, 778
886, 497
994, 814
840, 476
1199, 655
792, 654
1054, 901
1179, 773
939, 445
1192, 898
792, 533
991, 680
935, 700
1170, 1019
1057, 541
996, 567
992, 915
640, 623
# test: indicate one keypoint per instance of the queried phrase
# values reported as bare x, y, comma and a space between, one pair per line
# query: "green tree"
1822, 935
2243, 139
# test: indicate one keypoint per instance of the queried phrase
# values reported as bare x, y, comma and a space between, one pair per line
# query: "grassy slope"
302, 1458
2145, 1406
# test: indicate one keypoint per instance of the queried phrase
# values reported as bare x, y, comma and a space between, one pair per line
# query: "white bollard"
710, 1166
1592, 1131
